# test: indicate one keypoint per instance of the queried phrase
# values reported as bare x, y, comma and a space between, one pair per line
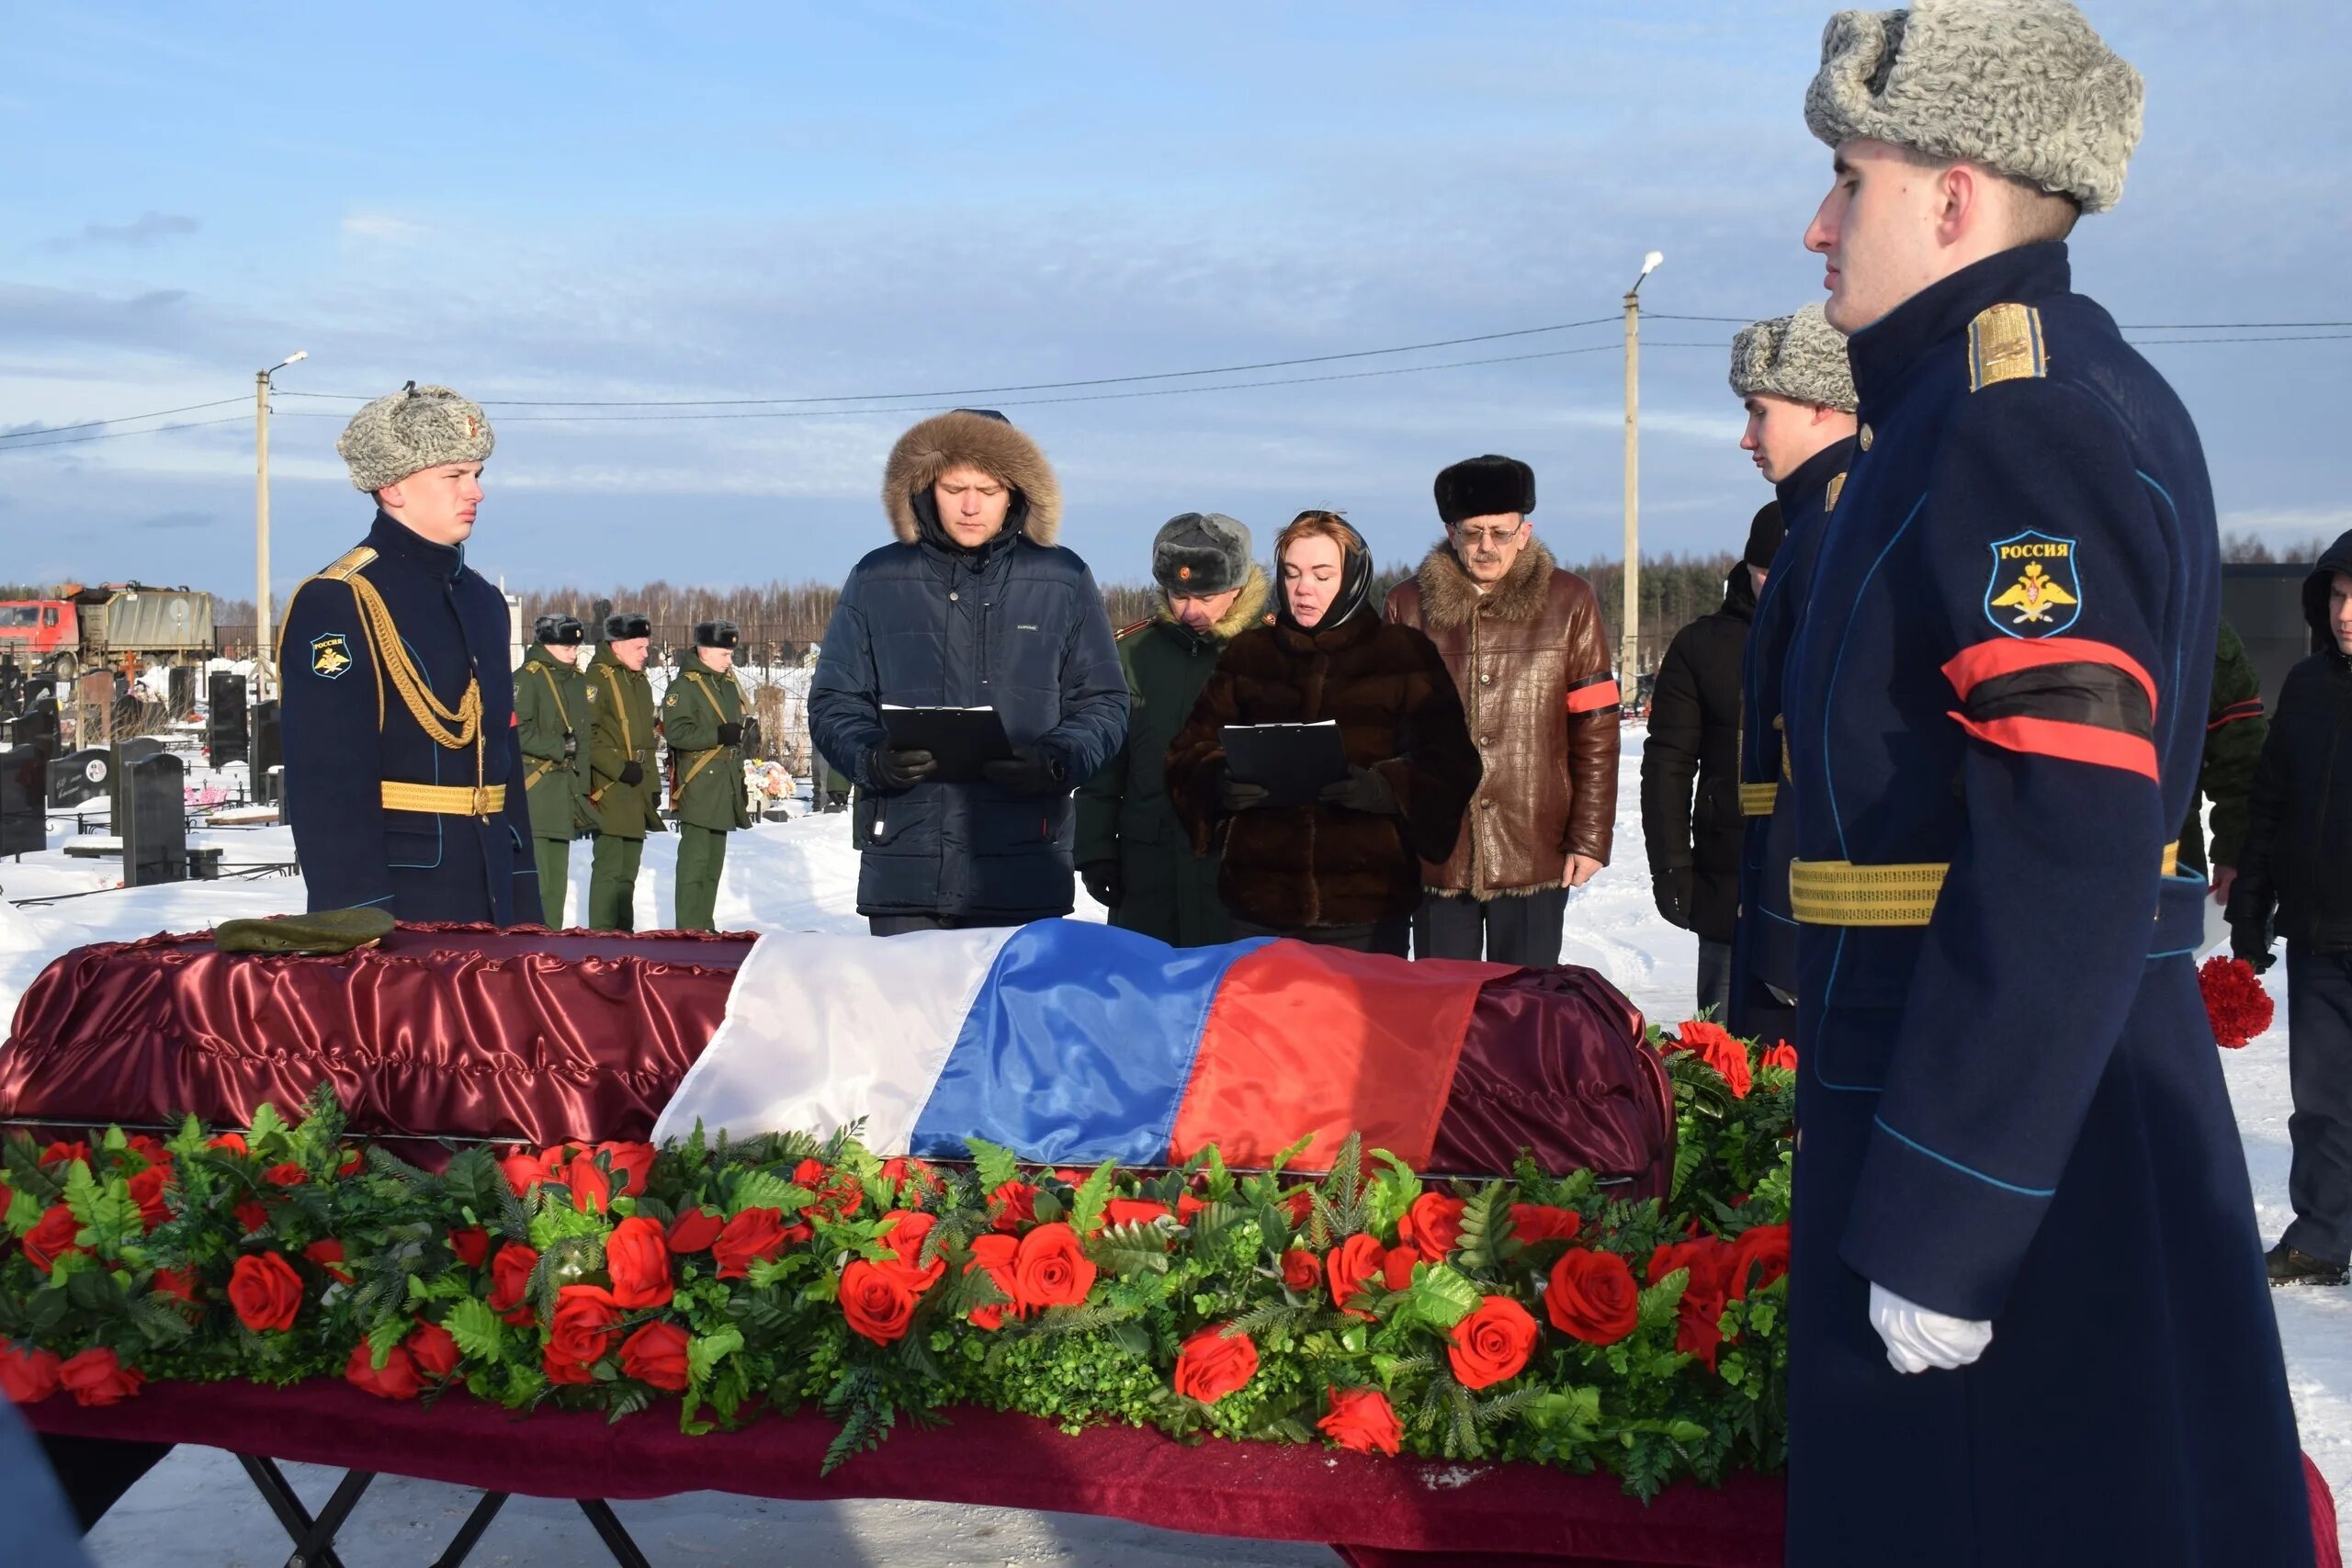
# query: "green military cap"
328, 931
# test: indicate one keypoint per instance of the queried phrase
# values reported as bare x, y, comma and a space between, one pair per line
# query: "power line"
118, 435
2126, 326
119, 419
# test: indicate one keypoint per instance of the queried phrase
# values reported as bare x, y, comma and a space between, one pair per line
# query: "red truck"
113, 626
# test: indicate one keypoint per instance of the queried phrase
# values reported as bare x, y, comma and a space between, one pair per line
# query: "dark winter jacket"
1398, 713
2296, 868
1694, 735
1017, 625
2234, 731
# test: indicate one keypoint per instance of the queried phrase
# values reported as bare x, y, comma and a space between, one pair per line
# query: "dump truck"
114, 625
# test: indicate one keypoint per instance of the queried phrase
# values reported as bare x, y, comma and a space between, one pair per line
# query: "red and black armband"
2066, 697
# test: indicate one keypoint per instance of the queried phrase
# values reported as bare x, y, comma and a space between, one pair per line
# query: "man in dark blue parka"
403, 768
2029, 1322
974, 606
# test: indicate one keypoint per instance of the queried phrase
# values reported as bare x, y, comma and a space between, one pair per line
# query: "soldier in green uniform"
702, 719
551, 711
624, 787
1136, 858
2234, 731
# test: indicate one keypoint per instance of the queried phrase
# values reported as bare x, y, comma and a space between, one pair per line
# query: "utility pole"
263, 651
1630, 630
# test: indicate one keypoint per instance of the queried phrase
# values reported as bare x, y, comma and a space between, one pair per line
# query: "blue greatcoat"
347, 732
1764, 943
2016, 1111
1015, 626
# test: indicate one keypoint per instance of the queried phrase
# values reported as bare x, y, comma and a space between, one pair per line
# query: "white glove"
1918, 1338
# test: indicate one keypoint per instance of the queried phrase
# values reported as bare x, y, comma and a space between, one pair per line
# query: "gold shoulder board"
2005, 345
1837, 483
349, 562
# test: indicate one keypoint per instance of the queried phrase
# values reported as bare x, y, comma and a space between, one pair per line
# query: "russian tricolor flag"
1071, 1043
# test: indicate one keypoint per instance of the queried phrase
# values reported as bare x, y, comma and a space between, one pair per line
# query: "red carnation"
2235, 1003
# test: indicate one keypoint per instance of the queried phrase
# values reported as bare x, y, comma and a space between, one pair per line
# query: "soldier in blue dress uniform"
1791, 375
403, 770
2028, 1318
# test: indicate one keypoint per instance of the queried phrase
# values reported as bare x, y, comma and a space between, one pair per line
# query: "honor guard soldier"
702, 720
552, 712
624, 785
403, 774
1791, 375
2029, 1322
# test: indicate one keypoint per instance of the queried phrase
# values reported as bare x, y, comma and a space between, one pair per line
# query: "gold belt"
446, 800
1757, 800
1839, 893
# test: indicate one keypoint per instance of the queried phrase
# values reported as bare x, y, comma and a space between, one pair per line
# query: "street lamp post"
262, 649
1628, 666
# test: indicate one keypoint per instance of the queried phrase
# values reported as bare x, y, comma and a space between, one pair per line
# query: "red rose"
251, 1215
99, 1377
1533, 1223
265, 1291
510, 1281
656, 1355
525, 1170
1713, 1045
233, 1143
693, 1230
905, 1239
580, 1333
1349, 1265
1698, 1328
53, 1237
632, 1166
1015, 1205
1051, 1270
1763, 1253
1492, 1343
471, 1246
1433, 1225
877, 1303
1186, 1207
1300, 1203
590, 1189
353, 1162
1782, 1055
1300, 1270
287, 1175
995, 1254
1134, 1211
27, 1377
149, 1149
636, 1255
1708, 1259
1593, 1296
433, 1349
837, 1200
328, 1255
1397, 1269
396, 1379
910, 1180
1212, 1364
180, 1283
1361, 1419
147, 1191
756, 1236
64, 1154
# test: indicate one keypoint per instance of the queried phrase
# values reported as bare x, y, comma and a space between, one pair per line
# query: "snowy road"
801, 876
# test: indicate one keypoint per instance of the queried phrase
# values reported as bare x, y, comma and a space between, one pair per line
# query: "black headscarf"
1355, 586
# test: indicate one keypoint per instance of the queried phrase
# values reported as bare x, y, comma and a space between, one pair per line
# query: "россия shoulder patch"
330, 655
2036, 589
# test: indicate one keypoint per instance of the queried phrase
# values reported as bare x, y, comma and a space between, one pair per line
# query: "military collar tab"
1813, 475
393, 537
1886, 352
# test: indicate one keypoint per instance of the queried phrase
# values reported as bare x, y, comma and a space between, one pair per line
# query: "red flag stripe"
2068, 742
1972, 666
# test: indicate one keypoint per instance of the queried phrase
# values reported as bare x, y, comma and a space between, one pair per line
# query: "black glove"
1106, 883
1671, 887
1238, 796
1362, 790
1028, 770
894, 769
2250, 940
730, 734
632, 773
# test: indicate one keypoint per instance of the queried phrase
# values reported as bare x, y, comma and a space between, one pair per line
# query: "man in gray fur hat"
404, 775
1135, 857
2029, 1322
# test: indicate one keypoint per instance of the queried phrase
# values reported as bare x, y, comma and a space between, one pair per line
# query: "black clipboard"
1291, 760
961, 739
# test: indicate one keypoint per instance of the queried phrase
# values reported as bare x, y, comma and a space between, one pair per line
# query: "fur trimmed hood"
1247, 611
985, 442
1449, 597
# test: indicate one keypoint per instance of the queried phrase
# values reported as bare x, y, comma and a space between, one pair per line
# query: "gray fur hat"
414, 429
560, 631
1800, 357
2024, 87
1200, 554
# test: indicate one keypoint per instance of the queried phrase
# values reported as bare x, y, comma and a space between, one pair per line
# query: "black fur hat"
560, 631
717, 633
1484, 486
621, 626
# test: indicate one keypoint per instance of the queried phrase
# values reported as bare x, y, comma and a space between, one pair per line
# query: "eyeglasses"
1479, 538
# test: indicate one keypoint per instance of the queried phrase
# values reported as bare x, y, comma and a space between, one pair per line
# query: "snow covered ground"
802, 875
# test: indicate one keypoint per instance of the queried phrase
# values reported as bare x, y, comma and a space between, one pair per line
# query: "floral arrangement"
1536, 1317
2235, 1003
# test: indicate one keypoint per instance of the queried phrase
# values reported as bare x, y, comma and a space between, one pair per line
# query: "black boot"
2291, 1267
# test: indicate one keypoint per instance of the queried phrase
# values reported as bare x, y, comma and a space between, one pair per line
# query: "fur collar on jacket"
950, 440
1449, 598
1248, 609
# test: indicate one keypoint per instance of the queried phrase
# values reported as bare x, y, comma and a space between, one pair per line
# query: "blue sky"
586, 203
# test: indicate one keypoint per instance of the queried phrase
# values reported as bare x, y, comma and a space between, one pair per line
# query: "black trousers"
1385, 936
1522, 929
2319, 1071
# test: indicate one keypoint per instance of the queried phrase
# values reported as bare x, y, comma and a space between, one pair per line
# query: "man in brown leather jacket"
1528, 652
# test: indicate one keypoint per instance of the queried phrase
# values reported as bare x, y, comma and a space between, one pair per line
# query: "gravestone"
24, 786
80, 777
122, 754
225, 729
268, 755
36, 728
184, 682
152, 823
